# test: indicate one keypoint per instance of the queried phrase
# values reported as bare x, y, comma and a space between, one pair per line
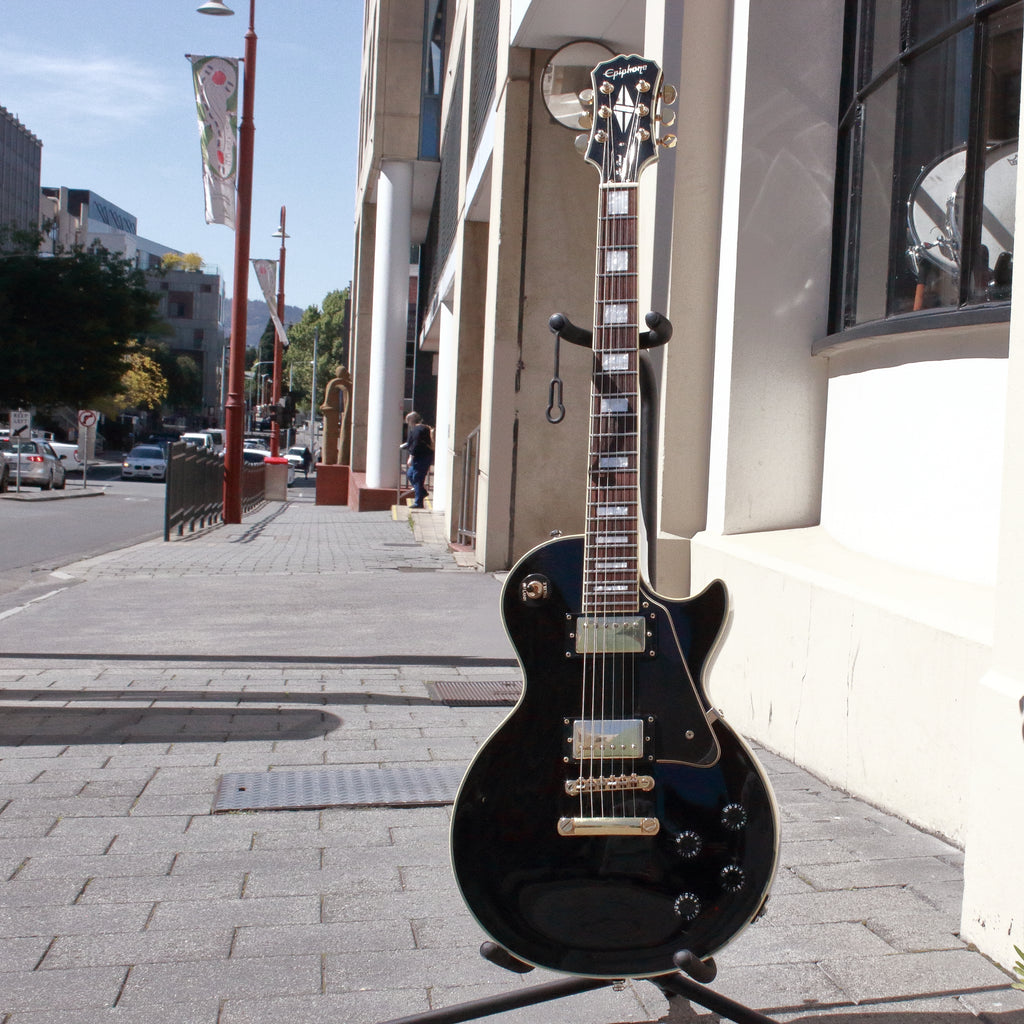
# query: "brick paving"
307, 638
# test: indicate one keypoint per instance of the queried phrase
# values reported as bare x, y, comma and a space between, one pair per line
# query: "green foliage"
1018, 969
66, 324
332, 349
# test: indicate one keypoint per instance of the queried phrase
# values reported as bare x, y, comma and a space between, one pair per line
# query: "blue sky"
105, 85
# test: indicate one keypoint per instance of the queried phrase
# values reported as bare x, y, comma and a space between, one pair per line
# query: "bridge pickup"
608, 826
611, 738
609, 784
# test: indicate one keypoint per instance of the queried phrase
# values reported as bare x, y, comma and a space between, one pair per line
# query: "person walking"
419, 446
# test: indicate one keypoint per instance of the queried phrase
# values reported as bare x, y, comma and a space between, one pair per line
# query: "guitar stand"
688, 982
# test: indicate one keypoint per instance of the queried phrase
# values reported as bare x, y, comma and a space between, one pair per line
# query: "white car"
258, 455
144, 462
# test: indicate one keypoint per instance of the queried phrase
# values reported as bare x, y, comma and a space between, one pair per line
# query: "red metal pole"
234, 406
275, 427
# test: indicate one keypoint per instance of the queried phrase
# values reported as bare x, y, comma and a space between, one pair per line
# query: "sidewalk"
317, 644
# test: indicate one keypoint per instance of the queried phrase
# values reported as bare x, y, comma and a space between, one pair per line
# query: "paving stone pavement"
308, 639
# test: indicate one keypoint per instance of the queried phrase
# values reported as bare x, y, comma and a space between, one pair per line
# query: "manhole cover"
458, 692
414, 786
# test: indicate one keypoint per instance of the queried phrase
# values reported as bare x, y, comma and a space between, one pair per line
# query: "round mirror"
566, 76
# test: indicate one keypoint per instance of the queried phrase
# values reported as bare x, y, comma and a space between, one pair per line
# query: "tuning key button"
668, 141
669, 94
667, 118
732, 877
687, 906
688, 845
587, 97
643, 85
586, 120
734, 817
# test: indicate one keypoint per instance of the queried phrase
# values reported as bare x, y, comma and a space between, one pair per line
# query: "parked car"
256, 442
145, 462
200, 439
294, 455
220, 438
38, 463
258, 455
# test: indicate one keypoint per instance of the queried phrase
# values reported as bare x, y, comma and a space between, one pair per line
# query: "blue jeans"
417, 473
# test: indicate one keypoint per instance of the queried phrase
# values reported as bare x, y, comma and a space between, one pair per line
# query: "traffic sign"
87, 418
21, 423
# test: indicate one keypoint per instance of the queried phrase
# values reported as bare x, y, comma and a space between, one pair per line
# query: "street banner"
216, 87
266, 274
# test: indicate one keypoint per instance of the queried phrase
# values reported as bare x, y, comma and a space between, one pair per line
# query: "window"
927, 165
179, 305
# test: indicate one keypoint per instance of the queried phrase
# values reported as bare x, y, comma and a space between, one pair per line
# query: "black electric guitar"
613, 819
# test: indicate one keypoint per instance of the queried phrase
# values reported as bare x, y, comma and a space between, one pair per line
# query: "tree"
143, 386
332, 349
66, 323
181, 261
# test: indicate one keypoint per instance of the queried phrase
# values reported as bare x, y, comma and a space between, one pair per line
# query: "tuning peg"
667, 117
643, 85
643, 134
607, 88
581, 144
604, 110
669, 94
668, 141
586, 120
587, 97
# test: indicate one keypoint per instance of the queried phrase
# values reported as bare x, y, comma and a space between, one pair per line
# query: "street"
39, 536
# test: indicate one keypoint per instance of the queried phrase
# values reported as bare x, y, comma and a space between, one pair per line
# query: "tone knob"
688, 845
734, 817
732, 878
687, 906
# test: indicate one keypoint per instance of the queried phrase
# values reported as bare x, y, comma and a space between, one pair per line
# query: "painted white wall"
913, 465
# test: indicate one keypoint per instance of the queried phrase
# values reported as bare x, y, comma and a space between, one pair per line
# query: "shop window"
927, 168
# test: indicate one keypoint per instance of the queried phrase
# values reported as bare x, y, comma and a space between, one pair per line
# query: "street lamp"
275, 426
234, 406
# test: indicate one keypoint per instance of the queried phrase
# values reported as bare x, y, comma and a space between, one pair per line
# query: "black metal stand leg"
671, 984
477, 1008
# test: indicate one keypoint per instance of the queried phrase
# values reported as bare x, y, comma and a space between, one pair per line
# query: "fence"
466, 529
195, 488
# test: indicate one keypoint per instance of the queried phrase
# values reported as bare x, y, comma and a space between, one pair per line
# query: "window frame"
861, 82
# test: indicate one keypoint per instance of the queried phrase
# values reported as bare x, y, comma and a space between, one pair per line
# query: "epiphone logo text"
619, 72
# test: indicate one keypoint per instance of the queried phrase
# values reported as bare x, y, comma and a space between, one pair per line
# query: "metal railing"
195, 488
465, 532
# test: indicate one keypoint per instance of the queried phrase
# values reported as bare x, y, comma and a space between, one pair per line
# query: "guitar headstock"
627, 98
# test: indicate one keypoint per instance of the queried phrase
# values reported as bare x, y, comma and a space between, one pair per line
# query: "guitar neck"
611, 555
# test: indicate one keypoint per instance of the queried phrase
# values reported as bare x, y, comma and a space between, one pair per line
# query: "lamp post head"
280, 233
214, 7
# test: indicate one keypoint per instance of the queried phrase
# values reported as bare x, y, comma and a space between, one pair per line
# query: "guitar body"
612, 905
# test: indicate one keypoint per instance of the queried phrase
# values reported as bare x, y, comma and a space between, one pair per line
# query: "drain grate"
341, 787
458, 692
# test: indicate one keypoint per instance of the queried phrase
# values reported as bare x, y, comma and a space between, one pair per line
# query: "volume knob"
689, 844
732, 877
687, 906
734, 817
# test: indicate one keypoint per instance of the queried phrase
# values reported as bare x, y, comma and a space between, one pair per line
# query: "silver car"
36, 461
144, 462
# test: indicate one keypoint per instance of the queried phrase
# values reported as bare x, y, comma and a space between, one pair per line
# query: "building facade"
191, 301
21, 155
836, 414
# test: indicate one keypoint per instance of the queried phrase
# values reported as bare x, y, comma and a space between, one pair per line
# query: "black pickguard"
608, 905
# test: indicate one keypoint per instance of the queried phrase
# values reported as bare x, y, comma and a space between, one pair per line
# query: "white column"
388, 324
444, 439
